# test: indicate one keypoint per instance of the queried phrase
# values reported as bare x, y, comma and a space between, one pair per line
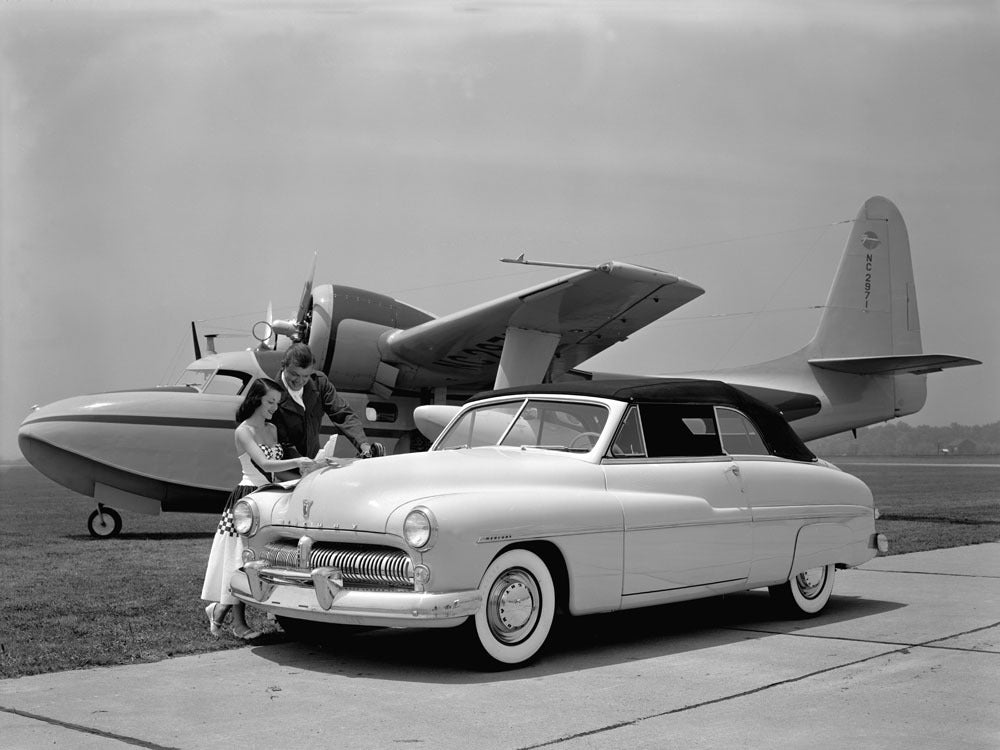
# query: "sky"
168, 162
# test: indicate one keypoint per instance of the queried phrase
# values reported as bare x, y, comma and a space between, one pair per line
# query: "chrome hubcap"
512, 605
810, 582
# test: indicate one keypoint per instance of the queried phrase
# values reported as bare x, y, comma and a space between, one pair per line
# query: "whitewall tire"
519, 603
807, 592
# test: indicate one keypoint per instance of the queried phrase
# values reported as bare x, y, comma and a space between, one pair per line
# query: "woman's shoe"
246, 632
214, 626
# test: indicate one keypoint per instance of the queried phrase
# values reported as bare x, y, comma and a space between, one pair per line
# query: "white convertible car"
576, 498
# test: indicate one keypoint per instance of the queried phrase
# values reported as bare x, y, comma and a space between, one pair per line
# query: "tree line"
901, 439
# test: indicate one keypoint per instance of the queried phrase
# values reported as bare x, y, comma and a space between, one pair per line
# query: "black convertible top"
775, 431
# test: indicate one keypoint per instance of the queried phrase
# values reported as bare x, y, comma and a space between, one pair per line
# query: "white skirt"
226, 556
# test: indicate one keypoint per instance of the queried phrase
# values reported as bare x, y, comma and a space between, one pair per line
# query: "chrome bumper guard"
319, 594
262, 579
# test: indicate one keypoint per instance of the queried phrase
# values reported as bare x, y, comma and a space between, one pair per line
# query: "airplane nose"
149, 443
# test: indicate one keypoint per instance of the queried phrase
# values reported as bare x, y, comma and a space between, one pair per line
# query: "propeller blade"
305, 303
272, 342
194, 337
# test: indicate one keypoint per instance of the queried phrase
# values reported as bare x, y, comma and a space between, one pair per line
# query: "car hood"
363, 494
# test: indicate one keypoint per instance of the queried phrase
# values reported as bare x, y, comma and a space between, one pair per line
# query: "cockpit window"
196, 377
228, 383
212, 380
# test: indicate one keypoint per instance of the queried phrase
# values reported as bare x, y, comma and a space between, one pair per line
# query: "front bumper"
318, 594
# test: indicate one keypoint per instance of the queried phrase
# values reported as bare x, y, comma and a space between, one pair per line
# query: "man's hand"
366, 450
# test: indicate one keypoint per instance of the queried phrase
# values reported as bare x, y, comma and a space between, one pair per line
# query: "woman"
260, 455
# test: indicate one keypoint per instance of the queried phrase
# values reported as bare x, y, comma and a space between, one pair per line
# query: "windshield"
217, 381
551, 425
196, 377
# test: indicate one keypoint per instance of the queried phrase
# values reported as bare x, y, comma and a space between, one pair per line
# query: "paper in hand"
327, 451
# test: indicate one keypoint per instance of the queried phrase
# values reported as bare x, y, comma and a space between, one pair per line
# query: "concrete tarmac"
906, 655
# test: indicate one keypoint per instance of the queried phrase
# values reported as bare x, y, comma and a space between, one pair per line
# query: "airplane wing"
519, 338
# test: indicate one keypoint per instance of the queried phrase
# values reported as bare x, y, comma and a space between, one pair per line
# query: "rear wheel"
518, 606
807, 592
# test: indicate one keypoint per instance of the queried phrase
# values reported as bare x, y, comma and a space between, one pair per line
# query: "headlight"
245, 516
419, 528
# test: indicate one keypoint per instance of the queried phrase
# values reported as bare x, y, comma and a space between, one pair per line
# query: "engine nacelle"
344, 334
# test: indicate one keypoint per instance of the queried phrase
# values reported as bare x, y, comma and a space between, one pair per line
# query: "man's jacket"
299, 428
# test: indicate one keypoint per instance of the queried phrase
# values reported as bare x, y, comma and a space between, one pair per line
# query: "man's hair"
298, 355
255, 394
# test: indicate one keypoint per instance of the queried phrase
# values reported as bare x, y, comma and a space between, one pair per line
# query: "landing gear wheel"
519, 602
104, 523
806, 593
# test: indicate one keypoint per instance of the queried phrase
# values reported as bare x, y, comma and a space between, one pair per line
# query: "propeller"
297, 329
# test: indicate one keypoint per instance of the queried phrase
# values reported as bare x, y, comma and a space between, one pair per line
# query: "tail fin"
870, 325
872, 307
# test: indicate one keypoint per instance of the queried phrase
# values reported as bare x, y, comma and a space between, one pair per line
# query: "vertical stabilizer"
872, 308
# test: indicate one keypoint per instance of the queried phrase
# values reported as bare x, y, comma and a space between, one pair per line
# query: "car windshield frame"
527, 423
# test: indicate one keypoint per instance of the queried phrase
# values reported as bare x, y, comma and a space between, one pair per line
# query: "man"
308, 396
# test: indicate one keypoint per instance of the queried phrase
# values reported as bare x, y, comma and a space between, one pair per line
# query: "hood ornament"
306, 505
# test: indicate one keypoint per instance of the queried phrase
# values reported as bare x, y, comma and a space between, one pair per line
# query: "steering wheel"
591, 436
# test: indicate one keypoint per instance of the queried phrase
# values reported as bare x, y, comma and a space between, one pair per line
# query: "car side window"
628, 443
677, 430
739, 435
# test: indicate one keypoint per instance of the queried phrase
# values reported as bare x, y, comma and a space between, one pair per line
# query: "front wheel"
518, 606
806, 593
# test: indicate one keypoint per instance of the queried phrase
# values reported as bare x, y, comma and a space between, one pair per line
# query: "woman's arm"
245, 443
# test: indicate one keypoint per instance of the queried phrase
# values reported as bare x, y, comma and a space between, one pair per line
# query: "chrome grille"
361, 566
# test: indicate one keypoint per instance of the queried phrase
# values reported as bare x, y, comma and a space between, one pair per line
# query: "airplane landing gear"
104, 523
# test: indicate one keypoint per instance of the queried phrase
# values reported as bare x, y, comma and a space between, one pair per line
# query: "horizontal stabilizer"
917, 364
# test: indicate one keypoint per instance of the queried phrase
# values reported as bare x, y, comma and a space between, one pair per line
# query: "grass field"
69, 601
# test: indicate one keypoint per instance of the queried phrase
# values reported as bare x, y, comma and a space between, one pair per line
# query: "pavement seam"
924, 644
926, 573
905, 649
87, 730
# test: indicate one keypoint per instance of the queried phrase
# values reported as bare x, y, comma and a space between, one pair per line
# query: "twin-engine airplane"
171, 448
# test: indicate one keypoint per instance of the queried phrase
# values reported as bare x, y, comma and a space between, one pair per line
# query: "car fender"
585, 527
831, 543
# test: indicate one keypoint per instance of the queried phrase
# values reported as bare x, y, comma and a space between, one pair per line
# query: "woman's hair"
255, 394
298, 355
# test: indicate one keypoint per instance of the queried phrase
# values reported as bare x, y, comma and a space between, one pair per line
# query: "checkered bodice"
252, 475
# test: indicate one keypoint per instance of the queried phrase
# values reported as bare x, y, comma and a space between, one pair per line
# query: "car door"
686, 523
